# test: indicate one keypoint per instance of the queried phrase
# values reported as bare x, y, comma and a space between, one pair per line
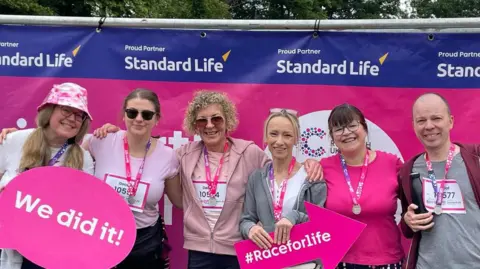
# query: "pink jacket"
245, 157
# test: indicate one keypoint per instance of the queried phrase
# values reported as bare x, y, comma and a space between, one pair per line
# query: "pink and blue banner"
381, 73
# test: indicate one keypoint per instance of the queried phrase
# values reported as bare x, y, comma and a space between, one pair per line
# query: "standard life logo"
351, 68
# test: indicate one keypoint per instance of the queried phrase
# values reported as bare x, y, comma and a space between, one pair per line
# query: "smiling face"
66, 121
350, 137
280, 136
210, 125
432, 121
140, 116
348, 129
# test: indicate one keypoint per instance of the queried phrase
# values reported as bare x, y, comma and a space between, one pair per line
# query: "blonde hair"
203, 99
36, 151
291, 117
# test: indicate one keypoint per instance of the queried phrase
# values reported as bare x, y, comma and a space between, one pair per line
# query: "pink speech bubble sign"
64, 218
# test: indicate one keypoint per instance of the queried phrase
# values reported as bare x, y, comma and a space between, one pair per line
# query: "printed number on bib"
203, 194
120, 185
453, 202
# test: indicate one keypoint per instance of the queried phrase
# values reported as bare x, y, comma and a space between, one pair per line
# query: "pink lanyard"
132, 190
212, 185
278, 206
355, 195
431, 174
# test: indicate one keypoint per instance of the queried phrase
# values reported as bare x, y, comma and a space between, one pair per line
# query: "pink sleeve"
174, 164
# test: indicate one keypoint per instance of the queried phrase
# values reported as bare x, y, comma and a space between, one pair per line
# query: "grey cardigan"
258, 206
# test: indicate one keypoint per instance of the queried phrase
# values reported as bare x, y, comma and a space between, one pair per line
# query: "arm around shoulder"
317, 196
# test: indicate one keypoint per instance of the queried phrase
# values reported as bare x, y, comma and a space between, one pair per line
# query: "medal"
212, 183
431, 175
278, 205
132, 188
438, 210
356, 209
212, 201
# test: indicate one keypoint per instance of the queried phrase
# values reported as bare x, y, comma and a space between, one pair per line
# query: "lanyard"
355, 195
212, 184
278, 206
132, 190
59, 154
431, 174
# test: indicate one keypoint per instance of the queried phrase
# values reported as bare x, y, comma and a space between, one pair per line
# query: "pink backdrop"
388, 108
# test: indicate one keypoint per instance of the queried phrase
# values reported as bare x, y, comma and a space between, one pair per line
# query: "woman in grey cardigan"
275, 194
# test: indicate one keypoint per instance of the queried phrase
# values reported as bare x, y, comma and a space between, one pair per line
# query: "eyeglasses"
132, 113
67, 112
203, 122
352, 127
284, 111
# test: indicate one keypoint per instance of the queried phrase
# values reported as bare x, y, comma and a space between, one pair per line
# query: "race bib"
452, 203
120, 185
204, 195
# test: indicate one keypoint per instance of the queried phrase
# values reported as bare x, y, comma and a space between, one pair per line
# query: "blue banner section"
276, 57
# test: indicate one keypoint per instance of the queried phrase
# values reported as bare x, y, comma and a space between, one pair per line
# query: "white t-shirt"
10, 156
294, 184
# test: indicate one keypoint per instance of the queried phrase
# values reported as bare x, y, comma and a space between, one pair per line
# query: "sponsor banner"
380, 73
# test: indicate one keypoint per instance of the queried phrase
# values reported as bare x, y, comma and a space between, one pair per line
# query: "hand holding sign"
60, 218
327, 236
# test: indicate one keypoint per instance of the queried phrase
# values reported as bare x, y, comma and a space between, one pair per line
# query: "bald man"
447, 234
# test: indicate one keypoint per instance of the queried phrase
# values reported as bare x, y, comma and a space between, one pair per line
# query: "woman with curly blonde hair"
212, 180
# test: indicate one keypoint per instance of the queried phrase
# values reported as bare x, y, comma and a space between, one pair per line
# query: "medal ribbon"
59, 154
132, 188
431, 174
355, 195
212, 184
278, 206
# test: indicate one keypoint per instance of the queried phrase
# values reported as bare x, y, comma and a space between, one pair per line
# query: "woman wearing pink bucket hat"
62, 122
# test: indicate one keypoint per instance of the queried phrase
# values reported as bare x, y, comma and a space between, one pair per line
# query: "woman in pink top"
362, 184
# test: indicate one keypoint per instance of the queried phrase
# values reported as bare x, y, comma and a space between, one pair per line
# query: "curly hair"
203, 99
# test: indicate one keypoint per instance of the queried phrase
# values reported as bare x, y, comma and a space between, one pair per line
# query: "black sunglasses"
132, 113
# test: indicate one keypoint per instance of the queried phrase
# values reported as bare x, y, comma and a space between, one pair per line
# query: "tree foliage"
446, 8
244, 9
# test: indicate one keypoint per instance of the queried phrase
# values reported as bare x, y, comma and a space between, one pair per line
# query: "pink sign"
327, 237
64, 218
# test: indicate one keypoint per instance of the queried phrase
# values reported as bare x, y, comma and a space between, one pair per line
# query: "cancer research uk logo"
315, 142
323, 67
22, 59
152, 62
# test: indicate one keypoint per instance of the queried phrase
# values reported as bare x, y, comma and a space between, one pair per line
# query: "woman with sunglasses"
362, 185
139, 168
214, 174
62, 122
285, 180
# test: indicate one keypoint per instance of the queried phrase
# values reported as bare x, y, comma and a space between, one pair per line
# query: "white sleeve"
88, 163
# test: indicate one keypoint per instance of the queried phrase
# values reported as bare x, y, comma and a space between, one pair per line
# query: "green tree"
445, 8
24, 7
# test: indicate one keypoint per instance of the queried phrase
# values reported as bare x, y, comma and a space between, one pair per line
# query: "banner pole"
371, 24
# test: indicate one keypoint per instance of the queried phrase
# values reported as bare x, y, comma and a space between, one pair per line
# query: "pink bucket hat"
68, 94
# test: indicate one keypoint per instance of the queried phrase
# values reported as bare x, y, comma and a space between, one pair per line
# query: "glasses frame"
66, 111
336, 131
284, 111
145, 114
206, 120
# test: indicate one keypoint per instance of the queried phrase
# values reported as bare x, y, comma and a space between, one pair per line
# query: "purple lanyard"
59, 154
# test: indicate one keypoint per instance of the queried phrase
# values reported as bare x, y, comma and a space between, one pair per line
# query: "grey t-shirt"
454, 240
